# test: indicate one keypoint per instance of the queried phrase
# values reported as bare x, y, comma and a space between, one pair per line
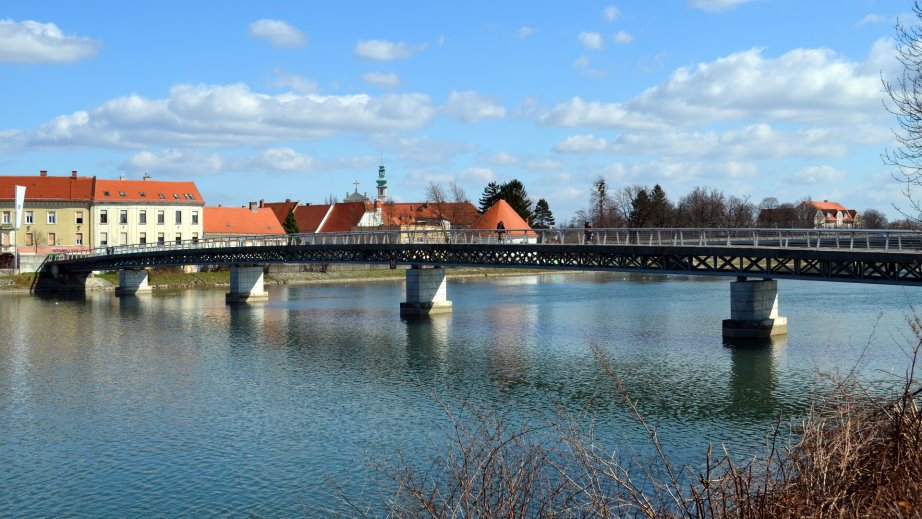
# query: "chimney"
121, 176
262, 203
253, 206
287, 200
43, 173
73, 174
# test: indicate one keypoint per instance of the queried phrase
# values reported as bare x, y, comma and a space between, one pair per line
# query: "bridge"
856, 256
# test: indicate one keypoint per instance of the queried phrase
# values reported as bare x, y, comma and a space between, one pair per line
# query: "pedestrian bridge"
857, 256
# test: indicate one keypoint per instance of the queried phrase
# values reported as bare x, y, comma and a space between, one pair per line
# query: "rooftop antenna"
146, 176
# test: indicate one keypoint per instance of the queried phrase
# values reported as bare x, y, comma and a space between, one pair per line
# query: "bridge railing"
842, 239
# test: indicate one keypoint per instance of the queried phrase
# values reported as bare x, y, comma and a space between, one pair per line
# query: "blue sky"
297, 100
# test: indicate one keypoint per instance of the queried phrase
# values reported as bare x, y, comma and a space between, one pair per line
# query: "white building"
145, 212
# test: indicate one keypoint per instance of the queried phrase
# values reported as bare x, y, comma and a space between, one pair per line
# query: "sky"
275, 100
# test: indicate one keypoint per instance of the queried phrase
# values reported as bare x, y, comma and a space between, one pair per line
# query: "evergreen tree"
660, 207
290, 224
490, 196
513, 192
543, 218
640, 209
600, 204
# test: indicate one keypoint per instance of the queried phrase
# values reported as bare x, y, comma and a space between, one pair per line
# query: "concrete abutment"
426, 292
754, 310
132, 282
246, 285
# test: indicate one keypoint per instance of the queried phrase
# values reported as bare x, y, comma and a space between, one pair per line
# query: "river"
174, 404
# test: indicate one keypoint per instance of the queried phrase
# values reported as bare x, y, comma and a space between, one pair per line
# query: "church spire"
382, 185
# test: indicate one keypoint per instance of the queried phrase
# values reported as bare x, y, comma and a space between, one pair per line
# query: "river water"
175, 404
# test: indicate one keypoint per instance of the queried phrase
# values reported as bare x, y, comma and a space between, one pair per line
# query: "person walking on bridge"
500, 230
588, 232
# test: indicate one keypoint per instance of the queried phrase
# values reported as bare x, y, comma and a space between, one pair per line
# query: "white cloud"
172, 162
817, 175
873, 19
33, 42
584, 65
277, 33
478, 174
503, 159
544, 164
525, 32
591, 40
611, 13
423, 150
803, 85
716, 6
383, 50
220, 115
581, 144
296, 83
578, 113
623, 37
469, 106
278, 159
758, 141
382, 79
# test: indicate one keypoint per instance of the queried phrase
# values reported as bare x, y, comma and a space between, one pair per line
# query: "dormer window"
175, 196
121, 193
142, 194
162, 196
105, 193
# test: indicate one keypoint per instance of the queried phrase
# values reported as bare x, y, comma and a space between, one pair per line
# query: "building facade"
56, 214
146, 212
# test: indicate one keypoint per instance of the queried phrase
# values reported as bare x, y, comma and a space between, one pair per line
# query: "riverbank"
174, 279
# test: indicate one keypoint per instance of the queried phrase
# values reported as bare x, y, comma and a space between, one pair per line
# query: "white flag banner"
20, 199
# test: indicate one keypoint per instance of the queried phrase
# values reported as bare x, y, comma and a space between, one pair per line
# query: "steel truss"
878, 267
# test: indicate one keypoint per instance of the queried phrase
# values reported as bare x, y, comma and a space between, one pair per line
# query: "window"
142, 217
78, 240
195, 237
178, 239
123, 216
30, 217
162, 196
6, 219
143, 238
143, 194
103, 239
121, 193
78, 218
52, 218
178, 216
123, 239
52, 238
30, 239
159, 238
160, 218
194, 217
103, 216
105, 193
175, 196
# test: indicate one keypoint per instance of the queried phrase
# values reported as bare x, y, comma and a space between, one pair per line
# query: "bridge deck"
881, 257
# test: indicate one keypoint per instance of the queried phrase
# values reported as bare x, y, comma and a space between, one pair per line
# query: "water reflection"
427, 342
754, 377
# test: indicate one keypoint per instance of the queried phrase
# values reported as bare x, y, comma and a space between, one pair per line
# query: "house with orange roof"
833, 215
143, 212
514, 229
56, 214
233, 222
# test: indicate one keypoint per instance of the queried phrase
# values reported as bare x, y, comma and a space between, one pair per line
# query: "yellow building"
56, 214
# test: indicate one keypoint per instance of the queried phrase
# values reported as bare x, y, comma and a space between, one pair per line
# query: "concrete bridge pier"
132, 282
426, 292
246, 285
754, 310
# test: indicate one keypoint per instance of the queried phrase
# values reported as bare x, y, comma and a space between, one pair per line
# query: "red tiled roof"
501, 211
344, 217
827, 206
48, 188
240, 220
281, 209
310, 216
460, 214
153, 191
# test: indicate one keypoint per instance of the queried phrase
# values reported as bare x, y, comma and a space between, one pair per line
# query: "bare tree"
805, 215
906, 104
873, 219
623, 202
458, 196
740, 212
435, 195
702, 208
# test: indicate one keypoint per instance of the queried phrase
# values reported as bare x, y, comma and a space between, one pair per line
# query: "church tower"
382, 185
